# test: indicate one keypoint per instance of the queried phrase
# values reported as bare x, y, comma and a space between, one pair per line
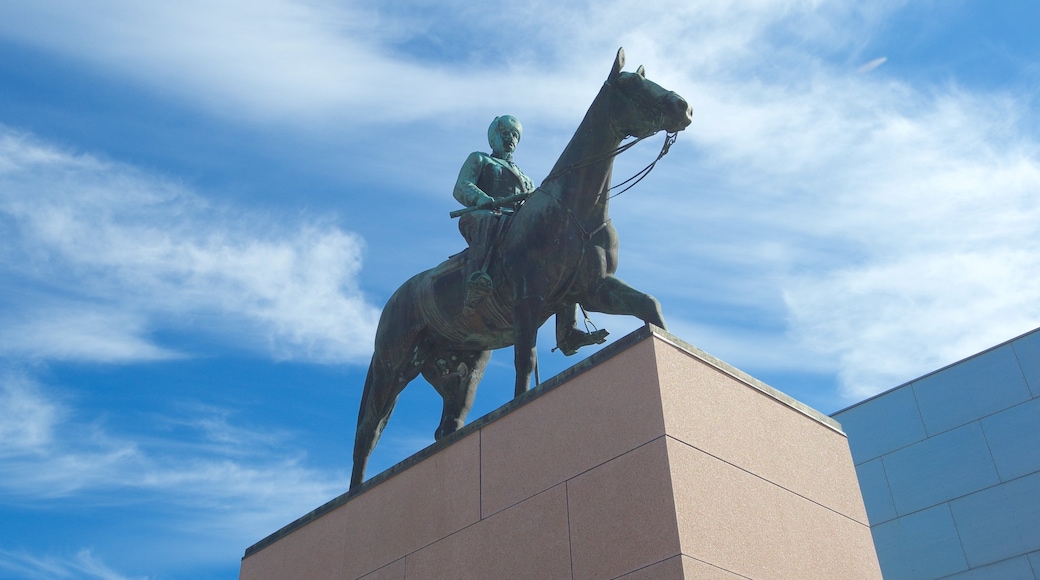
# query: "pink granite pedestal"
649, 460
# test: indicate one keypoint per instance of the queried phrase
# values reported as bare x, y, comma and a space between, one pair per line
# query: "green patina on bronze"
556, 250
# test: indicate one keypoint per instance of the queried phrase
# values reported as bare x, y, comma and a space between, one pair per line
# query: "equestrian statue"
525, 262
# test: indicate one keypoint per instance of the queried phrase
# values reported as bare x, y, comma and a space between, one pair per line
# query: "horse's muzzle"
680, 113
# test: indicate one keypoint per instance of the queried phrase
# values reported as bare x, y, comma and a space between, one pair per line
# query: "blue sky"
204, 205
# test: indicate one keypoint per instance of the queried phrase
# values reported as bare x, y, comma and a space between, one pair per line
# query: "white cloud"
934, 227
104, 255
27, 418
893, 319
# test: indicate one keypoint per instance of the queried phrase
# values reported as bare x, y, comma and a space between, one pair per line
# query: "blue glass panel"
883, 424
1028, 350
1000, 522
970, 390
939, 469
1013, 569
919, 546
1014, 439
876, 497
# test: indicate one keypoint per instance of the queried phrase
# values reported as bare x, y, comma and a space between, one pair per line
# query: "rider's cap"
507, 120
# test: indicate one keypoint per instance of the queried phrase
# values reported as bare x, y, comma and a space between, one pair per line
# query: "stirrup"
576, 339
478, 287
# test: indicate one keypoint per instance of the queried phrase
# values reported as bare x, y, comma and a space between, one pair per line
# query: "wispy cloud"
83, 564
99, 255
869, 66
67, 330
212, 476
314, 61
270, 59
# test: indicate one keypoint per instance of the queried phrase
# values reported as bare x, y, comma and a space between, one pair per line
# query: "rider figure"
482, 180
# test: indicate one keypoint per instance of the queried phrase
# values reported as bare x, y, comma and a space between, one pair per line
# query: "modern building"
949, 467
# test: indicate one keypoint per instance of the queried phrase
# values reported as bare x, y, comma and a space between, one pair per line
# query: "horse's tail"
367, 433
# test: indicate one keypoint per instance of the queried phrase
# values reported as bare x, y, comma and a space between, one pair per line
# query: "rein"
669, 140
594, 159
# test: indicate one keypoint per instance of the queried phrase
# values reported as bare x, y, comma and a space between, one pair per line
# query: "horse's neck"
582, 186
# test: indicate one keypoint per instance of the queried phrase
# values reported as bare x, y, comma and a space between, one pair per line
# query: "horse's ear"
641, 71
619, 63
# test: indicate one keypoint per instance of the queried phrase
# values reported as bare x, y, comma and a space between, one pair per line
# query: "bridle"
669, 140
648, 107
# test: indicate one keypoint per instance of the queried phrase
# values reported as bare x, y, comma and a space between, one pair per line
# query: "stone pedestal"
649, 460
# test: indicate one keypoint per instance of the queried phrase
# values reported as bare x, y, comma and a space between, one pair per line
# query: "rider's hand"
485, 201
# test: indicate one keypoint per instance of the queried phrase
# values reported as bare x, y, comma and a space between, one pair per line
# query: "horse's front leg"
527, 312
612, 296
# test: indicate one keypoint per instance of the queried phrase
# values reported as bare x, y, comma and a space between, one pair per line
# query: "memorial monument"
648, 460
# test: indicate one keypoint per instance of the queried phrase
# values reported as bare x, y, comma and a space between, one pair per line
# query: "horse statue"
559, 249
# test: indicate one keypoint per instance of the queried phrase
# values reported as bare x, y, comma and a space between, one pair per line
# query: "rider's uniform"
495, 177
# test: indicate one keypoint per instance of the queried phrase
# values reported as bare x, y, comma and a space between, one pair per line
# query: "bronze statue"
557, 250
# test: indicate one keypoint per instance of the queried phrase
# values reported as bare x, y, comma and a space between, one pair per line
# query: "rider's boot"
575, 339
478, 283
480, 233
478, 286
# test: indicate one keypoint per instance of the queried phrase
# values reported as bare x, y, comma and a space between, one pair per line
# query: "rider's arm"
466, 190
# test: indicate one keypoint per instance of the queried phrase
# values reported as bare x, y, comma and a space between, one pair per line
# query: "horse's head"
639, 107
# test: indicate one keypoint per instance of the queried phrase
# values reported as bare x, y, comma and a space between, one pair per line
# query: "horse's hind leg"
455, 374
613, 296
383, 385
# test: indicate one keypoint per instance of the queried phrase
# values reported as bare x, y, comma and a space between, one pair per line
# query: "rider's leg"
479, 228
568, 338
